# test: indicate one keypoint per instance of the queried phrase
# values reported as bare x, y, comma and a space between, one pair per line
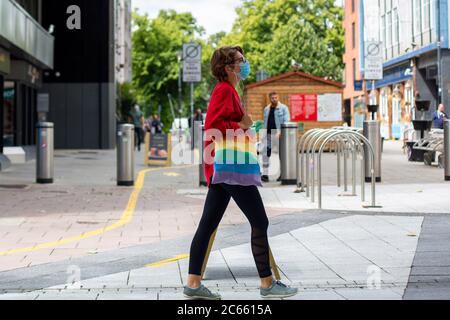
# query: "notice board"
330, 107
303, 107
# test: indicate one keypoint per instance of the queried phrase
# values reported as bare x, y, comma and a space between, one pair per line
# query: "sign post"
192, 67
192, 72
373, 63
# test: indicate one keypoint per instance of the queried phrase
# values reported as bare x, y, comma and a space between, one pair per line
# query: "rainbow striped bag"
236, 160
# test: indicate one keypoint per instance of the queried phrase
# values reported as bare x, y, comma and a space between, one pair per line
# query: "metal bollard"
288, 147
44, 152
447, 149
125, 155
373, 133
201, 147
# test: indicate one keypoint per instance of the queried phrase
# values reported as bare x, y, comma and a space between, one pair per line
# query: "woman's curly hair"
223, 57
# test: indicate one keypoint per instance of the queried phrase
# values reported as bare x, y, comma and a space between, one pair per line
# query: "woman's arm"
220, 110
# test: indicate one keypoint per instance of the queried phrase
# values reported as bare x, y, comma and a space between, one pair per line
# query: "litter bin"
447, 149
201, 148
373, 134
125, 155
288, 147
44, 152
197, 138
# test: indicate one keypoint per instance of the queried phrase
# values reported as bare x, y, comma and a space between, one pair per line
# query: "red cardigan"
224, 112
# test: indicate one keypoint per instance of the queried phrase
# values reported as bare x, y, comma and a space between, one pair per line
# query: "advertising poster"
303, 107
158, 149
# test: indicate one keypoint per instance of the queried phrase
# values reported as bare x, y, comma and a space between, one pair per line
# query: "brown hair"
223, 57
272, 94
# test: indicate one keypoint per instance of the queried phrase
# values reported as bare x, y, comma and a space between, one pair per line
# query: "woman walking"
225, 113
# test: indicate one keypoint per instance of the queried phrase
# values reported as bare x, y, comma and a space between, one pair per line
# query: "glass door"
9, 114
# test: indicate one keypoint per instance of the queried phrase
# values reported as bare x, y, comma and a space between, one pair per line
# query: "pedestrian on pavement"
275, 115
225, 112
157, 125
137, 118
439, 116
197, 116
148, 124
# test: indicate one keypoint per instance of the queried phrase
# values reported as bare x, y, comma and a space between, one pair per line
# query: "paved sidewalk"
328, 254
356, 257
85, 198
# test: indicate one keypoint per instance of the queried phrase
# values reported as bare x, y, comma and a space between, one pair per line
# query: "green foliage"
126, 100
262, 24
273, 33
310, 50
155, 61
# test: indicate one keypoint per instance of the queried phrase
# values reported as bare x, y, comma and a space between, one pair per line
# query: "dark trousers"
249, 201
138, 137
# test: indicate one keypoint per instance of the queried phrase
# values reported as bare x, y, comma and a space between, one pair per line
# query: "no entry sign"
192, 62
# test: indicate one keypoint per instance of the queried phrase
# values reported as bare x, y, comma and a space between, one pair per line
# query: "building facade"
354, 110
26, 52
82, 83
74, 51
416, 64
123, 41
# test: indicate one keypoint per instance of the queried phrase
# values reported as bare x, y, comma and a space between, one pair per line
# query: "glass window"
383, 30
396, 26
353, 35
426, 13
389, 30
384, 104
354, 69
409, 98
396, 110
9, 116
417, 16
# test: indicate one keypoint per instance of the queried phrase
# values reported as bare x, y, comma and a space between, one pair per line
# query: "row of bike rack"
343, 141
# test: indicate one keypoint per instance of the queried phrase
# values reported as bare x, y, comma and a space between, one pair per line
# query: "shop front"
19, 104
395, 97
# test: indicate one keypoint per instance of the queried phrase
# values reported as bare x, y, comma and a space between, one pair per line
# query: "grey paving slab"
115, 261
165, 275
428, 293
19, 296
316, 295
67, 295
369, 294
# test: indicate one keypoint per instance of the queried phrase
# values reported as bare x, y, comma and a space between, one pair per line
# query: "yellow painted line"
126, 218
167, 261
172, 174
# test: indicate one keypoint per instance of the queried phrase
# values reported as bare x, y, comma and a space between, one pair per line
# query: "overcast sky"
213, 15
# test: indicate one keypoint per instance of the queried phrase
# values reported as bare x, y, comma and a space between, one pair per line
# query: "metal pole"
447, 149
338, 165
363, 174
352, 135
192, 116
439, 52
345, 167
180, 93
354, 169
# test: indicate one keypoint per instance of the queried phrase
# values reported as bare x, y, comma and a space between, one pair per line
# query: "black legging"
249, 201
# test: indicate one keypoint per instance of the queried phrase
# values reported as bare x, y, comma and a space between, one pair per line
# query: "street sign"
373, 57
192, 62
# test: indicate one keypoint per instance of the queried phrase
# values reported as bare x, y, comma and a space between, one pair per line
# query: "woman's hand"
246, 121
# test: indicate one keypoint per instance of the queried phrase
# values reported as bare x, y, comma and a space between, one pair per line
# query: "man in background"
137, 118
275, 115
439, 116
